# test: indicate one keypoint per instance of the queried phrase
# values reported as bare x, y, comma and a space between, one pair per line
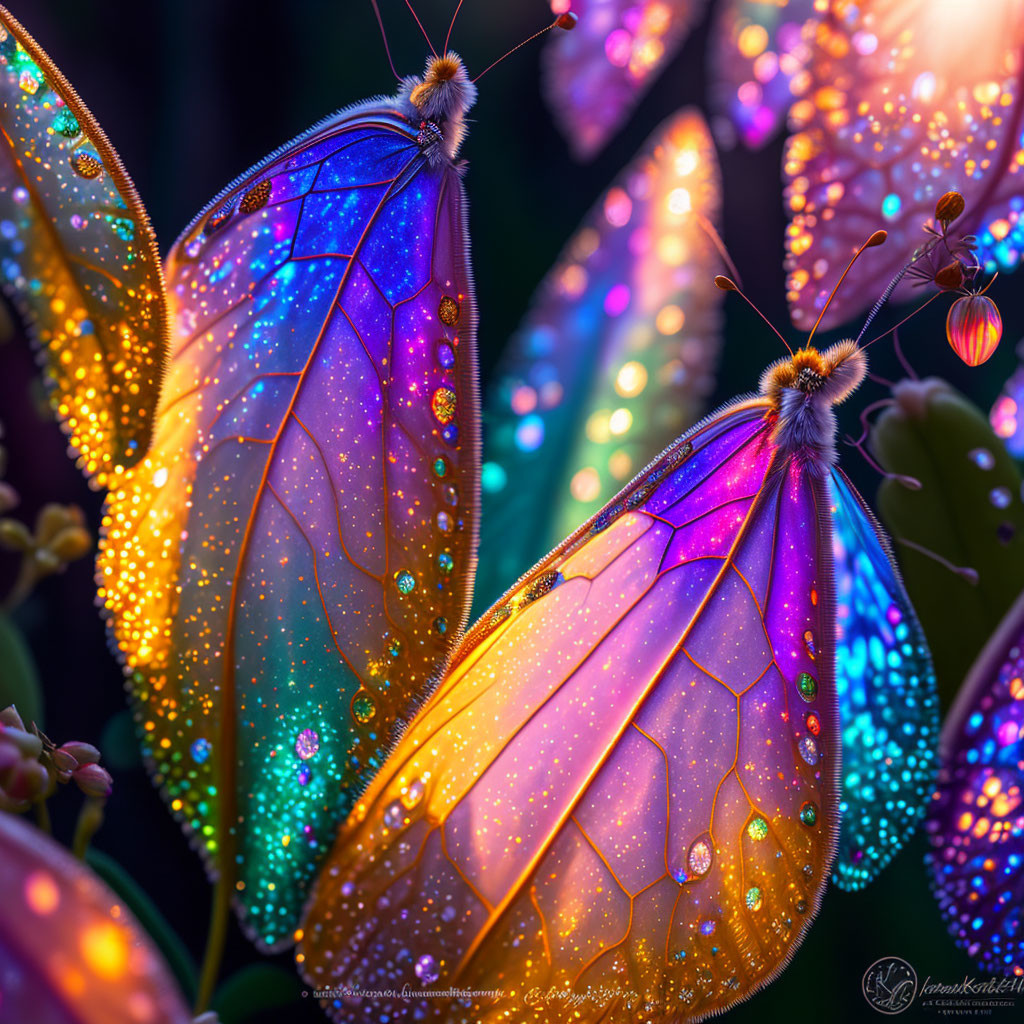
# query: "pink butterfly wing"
286, 570
597, 73
906, 100
70, 952
614, 786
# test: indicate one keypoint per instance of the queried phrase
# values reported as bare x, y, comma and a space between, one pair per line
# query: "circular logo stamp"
889, 985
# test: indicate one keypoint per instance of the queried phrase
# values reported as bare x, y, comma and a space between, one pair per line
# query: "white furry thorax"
440, 99
803, 390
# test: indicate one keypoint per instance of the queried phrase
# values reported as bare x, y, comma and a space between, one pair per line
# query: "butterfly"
904, 102
615, 358
975, 822
595, 76
286, 568
626, 788
70, 951
79, 260
761, 48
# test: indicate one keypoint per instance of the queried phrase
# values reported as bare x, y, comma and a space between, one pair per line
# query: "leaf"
256, 989
71, 952
178, 958
80, 259
902, 100
19, 678
968, 511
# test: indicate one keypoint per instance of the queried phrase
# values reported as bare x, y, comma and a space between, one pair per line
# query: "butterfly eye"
809, 380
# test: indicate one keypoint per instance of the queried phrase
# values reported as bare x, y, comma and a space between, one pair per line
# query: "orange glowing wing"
614, 788
79, 259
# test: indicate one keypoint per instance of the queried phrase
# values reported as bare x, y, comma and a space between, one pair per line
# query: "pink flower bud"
93, 780
27, 781
83, 753
974, 327
9, 716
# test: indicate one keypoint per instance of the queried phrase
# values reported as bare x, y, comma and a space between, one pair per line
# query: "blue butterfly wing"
888, 703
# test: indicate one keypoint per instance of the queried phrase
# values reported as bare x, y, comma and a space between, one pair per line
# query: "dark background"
191, 92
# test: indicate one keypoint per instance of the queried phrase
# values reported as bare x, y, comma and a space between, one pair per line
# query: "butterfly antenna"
384, 36
910, 482
963, 571
416, 17
451, 26
716, 239
876, 239
563, 21
729, 285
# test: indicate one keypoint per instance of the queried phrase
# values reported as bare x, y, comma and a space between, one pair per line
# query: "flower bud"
83, 753
64, 763
52, 519
974, 328
949, 207
950, 277
93, 780
8, 497
9, 716
14, 535
27, 781
71, 543
30, 745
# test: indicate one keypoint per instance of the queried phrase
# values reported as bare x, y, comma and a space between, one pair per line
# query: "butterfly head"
440, 99
802, 390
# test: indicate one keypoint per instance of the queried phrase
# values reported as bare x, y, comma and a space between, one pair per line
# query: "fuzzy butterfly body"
628, 779
285, 571
904, 102
975, 821
615, 359
595, 75
79, 259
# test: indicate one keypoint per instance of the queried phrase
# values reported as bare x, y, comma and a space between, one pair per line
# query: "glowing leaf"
70, 951
615, 359
79, 259
599, 71
975, 822
905, 101
761, 48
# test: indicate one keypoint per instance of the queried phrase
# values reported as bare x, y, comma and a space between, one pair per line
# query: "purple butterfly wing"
760, 49
976, 820
614, 787
596, 74
285, 571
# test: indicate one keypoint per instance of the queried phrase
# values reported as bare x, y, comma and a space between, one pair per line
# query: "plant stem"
220, 912
89, 820
43, 817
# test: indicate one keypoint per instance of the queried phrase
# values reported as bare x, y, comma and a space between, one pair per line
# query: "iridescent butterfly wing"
905, 101
596, 74
761, 47
886, 689
70, 952
285, 572
615, 359
617, 786
79, 260
976, 821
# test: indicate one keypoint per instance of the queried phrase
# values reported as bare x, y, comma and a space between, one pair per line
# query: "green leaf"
119, 743
19, 680
138, 902
969, 511
255, 989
